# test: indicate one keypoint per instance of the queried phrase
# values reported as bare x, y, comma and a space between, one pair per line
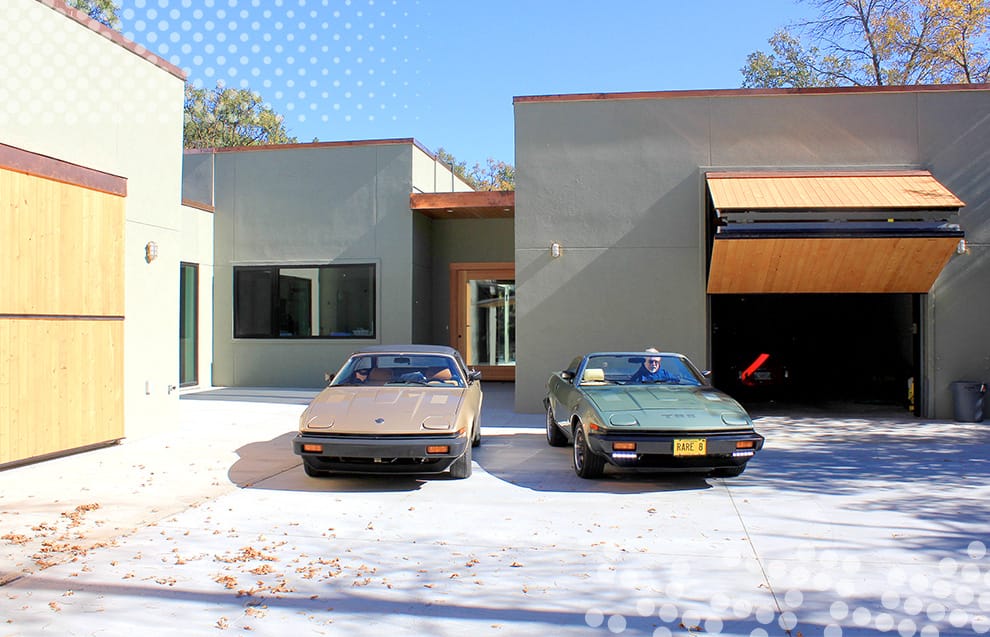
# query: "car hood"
383, 410
668, 407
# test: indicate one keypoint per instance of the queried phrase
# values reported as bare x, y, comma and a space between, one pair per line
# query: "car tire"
555, 437
309, 467
476, 441
729, 472
587, 463
462, 466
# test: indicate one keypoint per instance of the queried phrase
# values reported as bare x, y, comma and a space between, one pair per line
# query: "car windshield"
400, 369
639, 369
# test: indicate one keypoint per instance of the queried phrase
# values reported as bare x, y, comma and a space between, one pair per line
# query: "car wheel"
587, 464
729, 472
462, 466
476, 441
555, 437
309, 467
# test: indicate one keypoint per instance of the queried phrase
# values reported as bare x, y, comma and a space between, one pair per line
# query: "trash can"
967, 400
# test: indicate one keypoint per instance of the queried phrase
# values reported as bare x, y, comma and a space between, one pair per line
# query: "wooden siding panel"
773, 191
828, 265
61, 248
61, 385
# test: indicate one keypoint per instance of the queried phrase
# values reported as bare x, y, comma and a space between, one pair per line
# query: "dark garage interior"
841, 352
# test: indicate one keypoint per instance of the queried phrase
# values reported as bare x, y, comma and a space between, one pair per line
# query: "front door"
483, 317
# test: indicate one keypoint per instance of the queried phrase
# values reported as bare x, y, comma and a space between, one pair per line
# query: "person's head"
652, 363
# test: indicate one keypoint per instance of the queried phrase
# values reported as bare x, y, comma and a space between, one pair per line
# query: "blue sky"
445, 71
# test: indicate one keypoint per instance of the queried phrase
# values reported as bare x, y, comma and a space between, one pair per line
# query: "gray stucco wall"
462, 241
619, 183
316, 205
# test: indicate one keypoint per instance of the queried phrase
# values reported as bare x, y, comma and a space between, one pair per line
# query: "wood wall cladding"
61, 385
828, 265
61, 316
61, 248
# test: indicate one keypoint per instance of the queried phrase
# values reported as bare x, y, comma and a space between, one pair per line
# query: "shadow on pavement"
525, 460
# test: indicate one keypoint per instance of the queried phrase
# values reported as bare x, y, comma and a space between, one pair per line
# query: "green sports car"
647, 410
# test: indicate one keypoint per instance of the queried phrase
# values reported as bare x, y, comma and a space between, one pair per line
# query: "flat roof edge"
749, 92
114, 36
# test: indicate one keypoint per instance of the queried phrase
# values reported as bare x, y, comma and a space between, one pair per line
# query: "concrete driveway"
841, 526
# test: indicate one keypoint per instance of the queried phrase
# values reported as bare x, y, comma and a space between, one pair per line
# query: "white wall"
71, 93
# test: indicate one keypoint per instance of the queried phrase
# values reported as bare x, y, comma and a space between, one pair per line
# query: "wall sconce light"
554, 249
151, 251
961, 247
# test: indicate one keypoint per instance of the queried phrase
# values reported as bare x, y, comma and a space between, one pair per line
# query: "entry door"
483, 317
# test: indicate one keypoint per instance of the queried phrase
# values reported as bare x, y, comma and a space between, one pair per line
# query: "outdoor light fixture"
555, 249
151, 251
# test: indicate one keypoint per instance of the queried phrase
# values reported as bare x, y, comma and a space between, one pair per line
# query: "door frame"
460, 330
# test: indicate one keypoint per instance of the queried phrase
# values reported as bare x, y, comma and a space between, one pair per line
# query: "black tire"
730, 472
587, 464
309, 466
476, 441
462, 466
555, 437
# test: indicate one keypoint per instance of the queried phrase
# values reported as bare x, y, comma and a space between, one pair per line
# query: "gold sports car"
394, 409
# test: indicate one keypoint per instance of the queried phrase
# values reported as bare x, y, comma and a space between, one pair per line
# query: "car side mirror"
707, 375
327, 377
474, 375
568, 376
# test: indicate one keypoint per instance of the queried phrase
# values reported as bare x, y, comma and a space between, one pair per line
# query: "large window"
327, 301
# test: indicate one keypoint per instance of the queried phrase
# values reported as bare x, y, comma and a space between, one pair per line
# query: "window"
188, 319
327, 301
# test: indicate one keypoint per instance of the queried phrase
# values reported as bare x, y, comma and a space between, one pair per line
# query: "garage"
817, 284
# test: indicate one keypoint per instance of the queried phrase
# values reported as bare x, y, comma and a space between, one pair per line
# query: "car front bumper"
655, 451
379, 454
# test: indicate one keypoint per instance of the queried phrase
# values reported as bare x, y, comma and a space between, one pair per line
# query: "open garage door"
817, 280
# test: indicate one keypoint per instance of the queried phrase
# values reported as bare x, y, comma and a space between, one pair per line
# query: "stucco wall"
196, 231
310, 205
461, 241
90, 101
619, 184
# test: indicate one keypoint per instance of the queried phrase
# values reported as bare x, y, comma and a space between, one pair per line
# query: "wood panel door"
482, 317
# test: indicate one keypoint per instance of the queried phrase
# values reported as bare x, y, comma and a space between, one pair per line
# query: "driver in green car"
650, 371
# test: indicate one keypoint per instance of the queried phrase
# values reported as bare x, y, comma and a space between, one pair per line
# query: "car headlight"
432, 422
736, 420
623, 420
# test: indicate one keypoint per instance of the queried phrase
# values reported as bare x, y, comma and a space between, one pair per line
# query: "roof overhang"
830, 232
485, 204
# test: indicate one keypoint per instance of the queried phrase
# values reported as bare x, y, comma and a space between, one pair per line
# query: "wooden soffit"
497, 204
898, 190
828, 264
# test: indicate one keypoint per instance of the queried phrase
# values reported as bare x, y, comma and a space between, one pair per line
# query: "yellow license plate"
690, 446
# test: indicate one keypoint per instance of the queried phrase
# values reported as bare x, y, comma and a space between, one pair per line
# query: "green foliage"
494, 175
878, 43
103, 11
223, 117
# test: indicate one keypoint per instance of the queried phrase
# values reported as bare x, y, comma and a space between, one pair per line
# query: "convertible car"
394, 409
646, 410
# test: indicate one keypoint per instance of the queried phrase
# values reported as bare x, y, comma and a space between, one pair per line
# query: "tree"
878, 43
103, 11
222, 117
494, 175
790, 65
